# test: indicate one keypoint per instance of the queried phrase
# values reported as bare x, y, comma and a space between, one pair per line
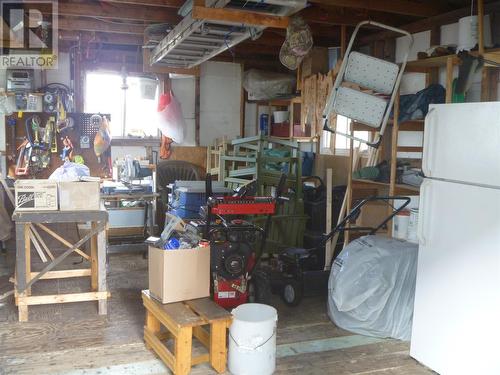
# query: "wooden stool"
182, 321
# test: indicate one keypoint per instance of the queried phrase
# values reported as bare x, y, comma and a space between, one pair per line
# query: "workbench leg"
183, 344
151, 218
218, 353
93, 258
21, 270
152, 324
22, 309
101, 270
27, 247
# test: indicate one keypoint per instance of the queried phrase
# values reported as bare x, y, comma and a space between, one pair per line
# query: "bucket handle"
249, 347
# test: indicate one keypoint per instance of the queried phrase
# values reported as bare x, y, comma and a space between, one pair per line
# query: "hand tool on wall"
23, 158
35, 127
50, 131
67, 151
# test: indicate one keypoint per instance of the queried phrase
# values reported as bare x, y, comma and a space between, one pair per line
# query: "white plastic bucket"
468, 32
281, 116
400, 228
252, 340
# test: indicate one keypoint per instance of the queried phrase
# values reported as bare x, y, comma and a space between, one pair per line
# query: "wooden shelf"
278, 102
399, 188
411, 125
441, 61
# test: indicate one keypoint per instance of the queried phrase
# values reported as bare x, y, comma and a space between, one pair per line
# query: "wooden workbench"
27, 225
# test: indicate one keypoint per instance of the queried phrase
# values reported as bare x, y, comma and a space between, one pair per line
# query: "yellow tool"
53, 138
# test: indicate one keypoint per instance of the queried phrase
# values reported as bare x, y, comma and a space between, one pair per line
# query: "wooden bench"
182, 321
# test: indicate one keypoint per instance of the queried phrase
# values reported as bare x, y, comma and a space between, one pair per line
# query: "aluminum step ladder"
365, 87
194, 41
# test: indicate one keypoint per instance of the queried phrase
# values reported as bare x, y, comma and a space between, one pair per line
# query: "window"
132, 110
341, 146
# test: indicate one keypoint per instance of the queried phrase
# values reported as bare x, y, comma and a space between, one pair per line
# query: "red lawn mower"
236, 245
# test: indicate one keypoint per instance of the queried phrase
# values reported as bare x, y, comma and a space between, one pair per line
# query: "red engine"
232, 259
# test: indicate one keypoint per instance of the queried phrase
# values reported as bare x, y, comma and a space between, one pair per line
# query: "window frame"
146, 139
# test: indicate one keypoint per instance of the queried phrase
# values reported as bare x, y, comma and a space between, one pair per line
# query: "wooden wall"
196, 155
339, 165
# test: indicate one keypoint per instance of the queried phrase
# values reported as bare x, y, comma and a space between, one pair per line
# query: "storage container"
33, 195
252, 340
179, 275
79, 195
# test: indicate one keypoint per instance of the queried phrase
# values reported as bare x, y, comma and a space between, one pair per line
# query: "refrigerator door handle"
428, 153
424, 200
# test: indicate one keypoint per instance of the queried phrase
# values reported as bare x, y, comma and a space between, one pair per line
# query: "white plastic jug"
252, 340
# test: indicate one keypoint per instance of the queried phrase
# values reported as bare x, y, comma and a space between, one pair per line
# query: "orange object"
102, 139
166, 147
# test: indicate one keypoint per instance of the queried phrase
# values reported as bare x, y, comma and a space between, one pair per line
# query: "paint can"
401, 222
413, 226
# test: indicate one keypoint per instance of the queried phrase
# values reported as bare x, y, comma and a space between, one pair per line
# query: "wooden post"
21, 275
343, 40
394, 158
242, 105
480, 25
101, 270
197, 110
348, 195
93, 258
329, 201
218, 352
183, 345
152, 324
27, 248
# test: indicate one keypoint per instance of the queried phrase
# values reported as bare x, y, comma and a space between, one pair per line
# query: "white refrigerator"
456, 322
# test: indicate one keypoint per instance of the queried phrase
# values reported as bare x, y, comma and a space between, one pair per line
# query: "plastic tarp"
262, 85
70, 172
372, 287
170, 118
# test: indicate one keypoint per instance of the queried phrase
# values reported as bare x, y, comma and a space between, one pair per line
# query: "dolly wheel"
292, 293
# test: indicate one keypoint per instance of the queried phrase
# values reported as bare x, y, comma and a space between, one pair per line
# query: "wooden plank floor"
73, 339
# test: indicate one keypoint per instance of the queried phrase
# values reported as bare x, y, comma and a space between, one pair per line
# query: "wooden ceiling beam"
100, 37
326, 15
93, 25
429, 23
149, 3
239, 16
405, 7
119, 12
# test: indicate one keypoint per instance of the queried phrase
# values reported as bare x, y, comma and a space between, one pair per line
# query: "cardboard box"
79, 195
179, 275
315, 62
372, 214
31, 195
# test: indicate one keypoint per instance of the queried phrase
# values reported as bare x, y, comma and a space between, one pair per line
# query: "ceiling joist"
405, 7
429, 23
93, 25
119, 12
239, 17
149, 3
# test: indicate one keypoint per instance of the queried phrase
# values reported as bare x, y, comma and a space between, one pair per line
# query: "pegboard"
81, 127
84, 124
